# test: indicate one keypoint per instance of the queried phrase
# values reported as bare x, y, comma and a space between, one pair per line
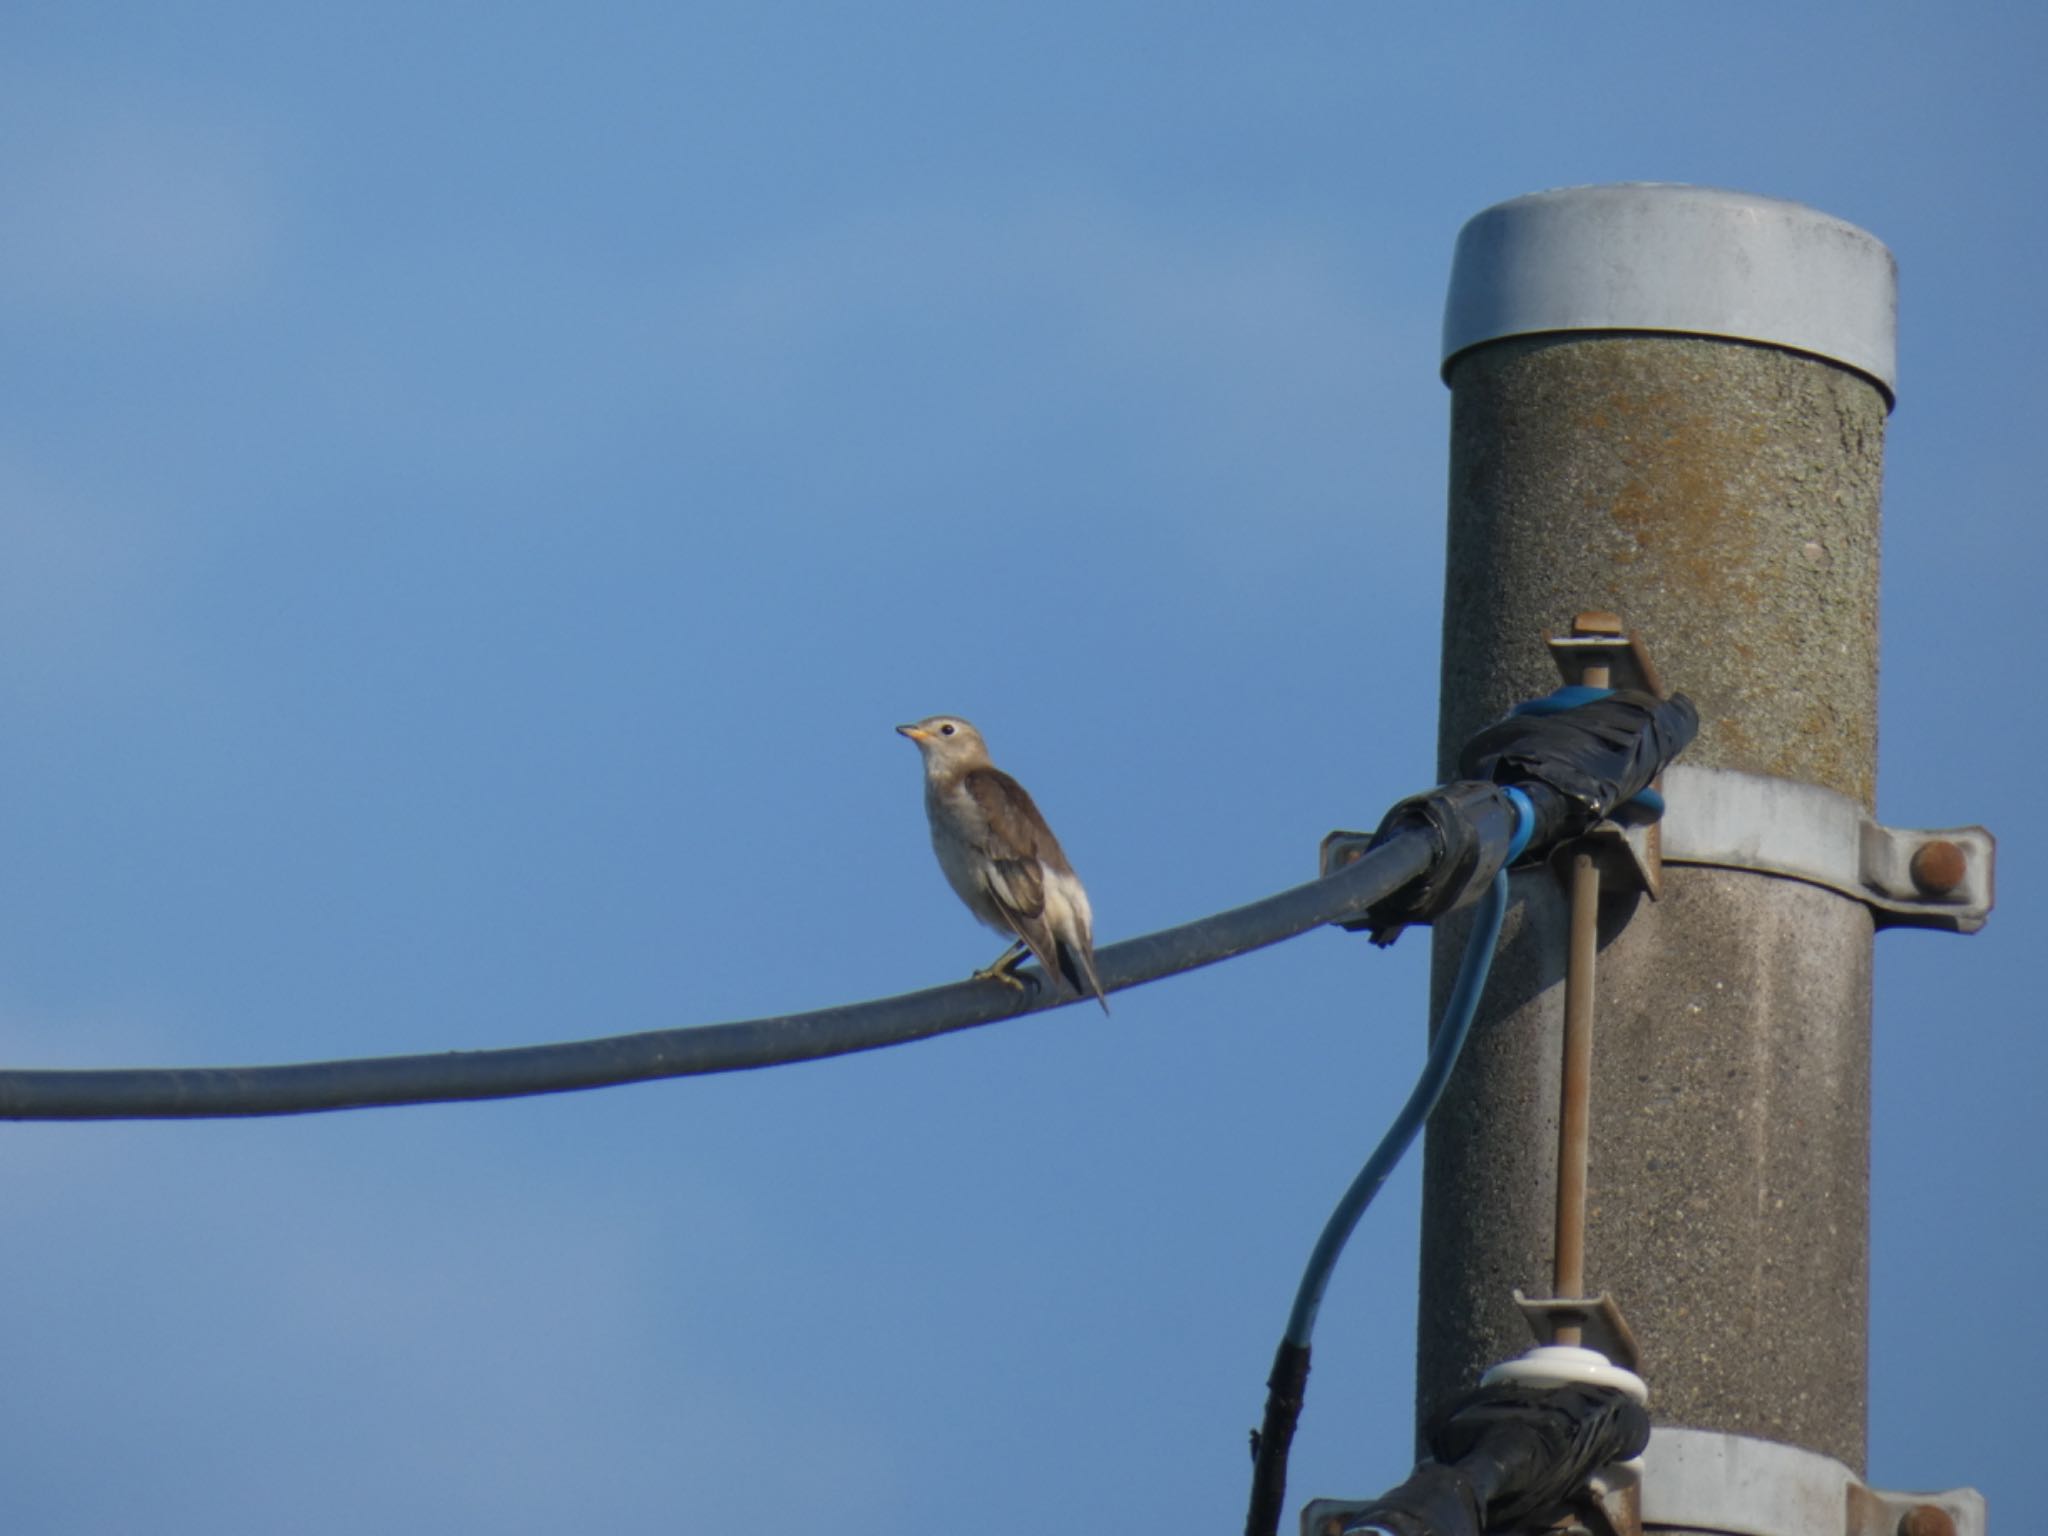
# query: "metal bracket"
1701, 1480
1598, 1319
1630, 857
1616, 657
1909, 877
1613, 1505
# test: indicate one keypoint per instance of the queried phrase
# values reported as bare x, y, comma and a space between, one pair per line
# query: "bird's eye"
945, 730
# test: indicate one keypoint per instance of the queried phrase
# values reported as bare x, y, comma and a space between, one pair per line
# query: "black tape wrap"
1536, 1447
1509, 1458
1470, 824
1593, 756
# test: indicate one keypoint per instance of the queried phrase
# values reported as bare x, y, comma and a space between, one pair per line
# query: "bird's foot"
1002, 973
1004, 969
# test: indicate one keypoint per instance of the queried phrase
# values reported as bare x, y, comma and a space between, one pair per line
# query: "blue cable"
1436, 1071
1525, 826
1288, 1384
1558, 700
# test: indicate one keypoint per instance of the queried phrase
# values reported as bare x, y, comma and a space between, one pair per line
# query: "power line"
179, 1093
1565, 770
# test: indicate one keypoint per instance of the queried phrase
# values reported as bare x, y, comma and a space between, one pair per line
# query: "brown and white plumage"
1001, 858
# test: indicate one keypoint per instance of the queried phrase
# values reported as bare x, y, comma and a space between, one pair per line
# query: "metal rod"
1574, 1115
213, 1092
1575, 1090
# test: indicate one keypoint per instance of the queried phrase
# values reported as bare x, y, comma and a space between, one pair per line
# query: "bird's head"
947, 741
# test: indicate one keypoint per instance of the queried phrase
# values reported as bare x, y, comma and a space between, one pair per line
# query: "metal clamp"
1700, 1480
1909, 877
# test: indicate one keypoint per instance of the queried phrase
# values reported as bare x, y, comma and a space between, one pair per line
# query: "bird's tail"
1077, 964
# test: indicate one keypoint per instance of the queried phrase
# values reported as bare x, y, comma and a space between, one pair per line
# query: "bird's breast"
958, 833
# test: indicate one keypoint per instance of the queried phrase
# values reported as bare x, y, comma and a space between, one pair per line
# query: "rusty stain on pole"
1671, 402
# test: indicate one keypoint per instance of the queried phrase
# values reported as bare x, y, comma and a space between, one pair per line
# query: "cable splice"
1590, 750
1506, 1457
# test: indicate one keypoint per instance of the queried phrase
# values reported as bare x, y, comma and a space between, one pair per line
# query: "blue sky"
479, 483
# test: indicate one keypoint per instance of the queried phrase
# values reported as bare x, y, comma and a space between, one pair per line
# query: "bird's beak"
915, 733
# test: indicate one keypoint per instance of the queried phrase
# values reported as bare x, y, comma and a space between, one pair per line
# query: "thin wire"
310, 1087
1473, 967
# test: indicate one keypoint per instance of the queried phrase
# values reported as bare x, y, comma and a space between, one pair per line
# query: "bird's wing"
1013, 845
1020, 849
1013, 837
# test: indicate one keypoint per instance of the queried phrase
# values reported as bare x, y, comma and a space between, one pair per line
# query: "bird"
1002, 860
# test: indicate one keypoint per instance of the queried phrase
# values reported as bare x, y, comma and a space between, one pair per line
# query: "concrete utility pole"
1670, 403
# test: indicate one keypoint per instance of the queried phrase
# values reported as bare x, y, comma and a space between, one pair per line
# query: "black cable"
1529, 1449
214, 1092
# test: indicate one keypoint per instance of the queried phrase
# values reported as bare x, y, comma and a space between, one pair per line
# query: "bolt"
1927, 1520
1938, 867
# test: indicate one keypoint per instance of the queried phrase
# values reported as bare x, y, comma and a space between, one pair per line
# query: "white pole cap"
1657, 256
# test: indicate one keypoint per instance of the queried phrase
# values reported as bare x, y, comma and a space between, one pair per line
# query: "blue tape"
1571, 696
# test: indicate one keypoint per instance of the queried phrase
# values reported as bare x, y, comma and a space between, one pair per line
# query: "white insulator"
1563, 1365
